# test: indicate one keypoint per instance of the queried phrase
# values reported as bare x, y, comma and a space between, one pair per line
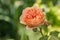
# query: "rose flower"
32, 17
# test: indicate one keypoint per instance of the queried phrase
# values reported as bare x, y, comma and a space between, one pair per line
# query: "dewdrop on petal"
32, 17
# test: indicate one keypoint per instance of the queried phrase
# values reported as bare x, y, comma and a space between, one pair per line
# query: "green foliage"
29, 2
54, 2
51, 17
54, 33
44, 38
54, 38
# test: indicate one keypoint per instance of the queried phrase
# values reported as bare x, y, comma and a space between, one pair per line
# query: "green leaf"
54, 2
58, 22
44, 29
54, 38
24, 37
54, 33
33, 35
51, 17
29, 2
22, 32
44, 37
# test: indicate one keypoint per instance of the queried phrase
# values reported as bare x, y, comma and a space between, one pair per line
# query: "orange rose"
32, 17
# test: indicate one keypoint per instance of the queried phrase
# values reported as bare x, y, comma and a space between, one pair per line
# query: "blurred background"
11, 29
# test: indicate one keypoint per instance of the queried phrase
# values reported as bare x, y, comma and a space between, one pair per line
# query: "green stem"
41, 31
35, 30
